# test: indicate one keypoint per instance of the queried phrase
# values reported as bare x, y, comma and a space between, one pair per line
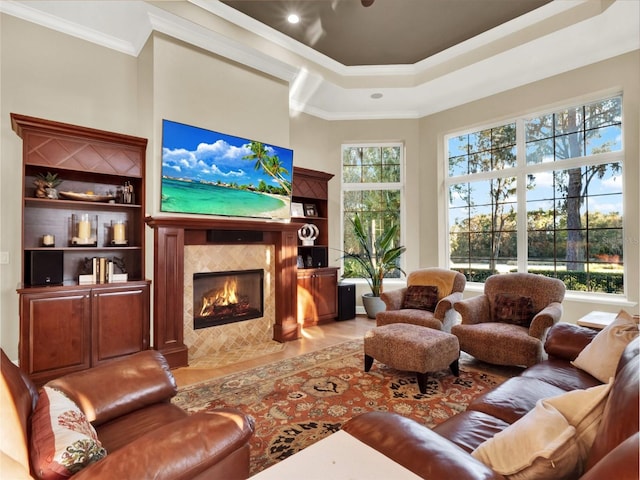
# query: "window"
541, 194
372, 189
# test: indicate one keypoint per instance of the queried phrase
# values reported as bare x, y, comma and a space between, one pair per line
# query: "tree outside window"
570, 171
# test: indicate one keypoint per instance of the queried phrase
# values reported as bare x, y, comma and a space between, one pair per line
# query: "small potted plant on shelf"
375, 258
46, 185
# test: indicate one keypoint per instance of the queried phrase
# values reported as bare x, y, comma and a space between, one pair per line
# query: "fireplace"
226, 297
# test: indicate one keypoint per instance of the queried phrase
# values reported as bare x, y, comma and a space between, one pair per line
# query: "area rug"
298, 401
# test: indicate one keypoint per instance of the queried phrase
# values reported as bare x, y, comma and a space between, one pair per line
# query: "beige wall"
51, 75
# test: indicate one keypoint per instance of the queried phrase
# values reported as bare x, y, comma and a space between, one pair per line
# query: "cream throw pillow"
601, 356
552, 441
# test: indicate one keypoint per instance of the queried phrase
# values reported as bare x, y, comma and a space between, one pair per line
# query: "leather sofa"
445, 451
128, 402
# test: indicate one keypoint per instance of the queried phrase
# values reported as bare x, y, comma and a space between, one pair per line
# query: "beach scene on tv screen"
212, 173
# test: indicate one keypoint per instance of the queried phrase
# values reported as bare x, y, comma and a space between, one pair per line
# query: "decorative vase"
372, 305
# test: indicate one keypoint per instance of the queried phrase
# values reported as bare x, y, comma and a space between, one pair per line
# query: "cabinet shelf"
76, 204
83, 249
66, 326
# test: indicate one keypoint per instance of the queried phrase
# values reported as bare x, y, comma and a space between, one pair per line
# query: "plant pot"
372, 305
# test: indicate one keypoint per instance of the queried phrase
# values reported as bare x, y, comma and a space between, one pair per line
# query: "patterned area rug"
301, 400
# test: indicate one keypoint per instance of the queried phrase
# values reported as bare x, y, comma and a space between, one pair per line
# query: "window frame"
364, 186
520, 171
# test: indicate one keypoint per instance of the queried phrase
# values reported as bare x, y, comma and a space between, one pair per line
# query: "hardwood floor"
313, 338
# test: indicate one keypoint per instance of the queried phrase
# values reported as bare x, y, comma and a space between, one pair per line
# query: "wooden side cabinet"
67, 325
64, 331
317, 295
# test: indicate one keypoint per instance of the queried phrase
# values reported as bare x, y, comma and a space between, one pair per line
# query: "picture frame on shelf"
310, 210
297, 210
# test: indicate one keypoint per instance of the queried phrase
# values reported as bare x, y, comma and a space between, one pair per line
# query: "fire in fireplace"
226, 297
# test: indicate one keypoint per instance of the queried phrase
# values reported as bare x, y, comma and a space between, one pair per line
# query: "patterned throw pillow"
515, 309
422, 297
62, 439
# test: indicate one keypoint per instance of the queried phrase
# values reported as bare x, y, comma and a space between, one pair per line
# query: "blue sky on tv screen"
203, 155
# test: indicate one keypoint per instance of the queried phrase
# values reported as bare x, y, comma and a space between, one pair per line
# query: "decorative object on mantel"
48, 240
310, 210
308, 234
46, 185
297, 210
84, 229
119, 233
87, 197
102, 270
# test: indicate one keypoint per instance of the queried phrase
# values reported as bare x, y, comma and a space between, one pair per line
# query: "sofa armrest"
544, 319
120, 386
178, 450
416, 447
445, 304
474, 310
566, 340
393, 299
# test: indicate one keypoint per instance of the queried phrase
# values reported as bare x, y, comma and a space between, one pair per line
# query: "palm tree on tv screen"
270, 164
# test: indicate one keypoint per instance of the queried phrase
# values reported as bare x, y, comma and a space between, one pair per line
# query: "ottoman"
412, 348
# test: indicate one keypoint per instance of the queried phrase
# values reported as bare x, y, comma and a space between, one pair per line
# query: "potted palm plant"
375, 258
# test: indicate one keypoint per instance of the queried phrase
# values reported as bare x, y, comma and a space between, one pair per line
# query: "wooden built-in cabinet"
64, 330
317, 281
64, 325
319, 288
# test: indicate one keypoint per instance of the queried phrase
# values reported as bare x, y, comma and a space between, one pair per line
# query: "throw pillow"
62, 439
515, 309
540, 446
422, 297
601, 356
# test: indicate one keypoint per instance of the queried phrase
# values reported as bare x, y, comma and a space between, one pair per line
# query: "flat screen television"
211, 173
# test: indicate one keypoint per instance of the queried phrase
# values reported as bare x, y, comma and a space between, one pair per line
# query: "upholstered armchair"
426, 300
507, 325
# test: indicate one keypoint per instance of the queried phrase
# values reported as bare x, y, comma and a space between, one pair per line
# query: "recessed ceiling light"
293, 18
376, 96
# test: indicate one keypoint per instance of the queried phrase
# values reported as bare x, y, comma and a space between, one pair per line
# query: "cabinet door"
55, 334
326, 293
307, 313
120, 323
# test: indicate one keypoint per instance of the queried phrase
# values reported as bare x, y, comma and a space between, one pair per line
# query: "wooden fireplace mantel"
171, 234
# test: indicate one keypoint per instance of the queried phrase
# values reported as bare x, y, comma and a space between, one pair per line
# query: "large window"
372, 189
541, 194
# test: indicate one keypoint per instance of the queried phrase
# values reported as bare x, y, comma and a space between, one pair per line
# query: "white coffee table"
338, 457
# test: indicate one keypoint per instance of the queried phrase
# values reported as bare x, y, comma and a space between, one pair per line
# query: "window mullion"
521, 196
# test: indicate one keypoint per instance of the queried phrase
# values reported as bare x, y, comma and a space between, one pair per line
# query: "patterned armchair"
426, 300
507, 325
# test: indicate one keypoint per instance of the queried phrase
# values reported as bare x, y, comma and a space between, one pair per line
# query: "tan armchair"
450, 285
507, 325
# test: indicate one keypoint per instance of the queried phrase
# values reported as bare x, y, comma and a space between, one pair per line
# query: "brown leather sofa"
145, 435
445, 451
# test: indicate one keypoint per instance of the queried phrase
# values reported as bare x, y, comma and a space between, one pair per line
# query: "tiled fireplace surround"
182, 248
234, 337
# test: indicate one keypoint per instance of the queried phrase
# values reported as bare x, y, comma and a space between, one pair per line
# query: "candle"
118, 232
84, 228
48, 240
